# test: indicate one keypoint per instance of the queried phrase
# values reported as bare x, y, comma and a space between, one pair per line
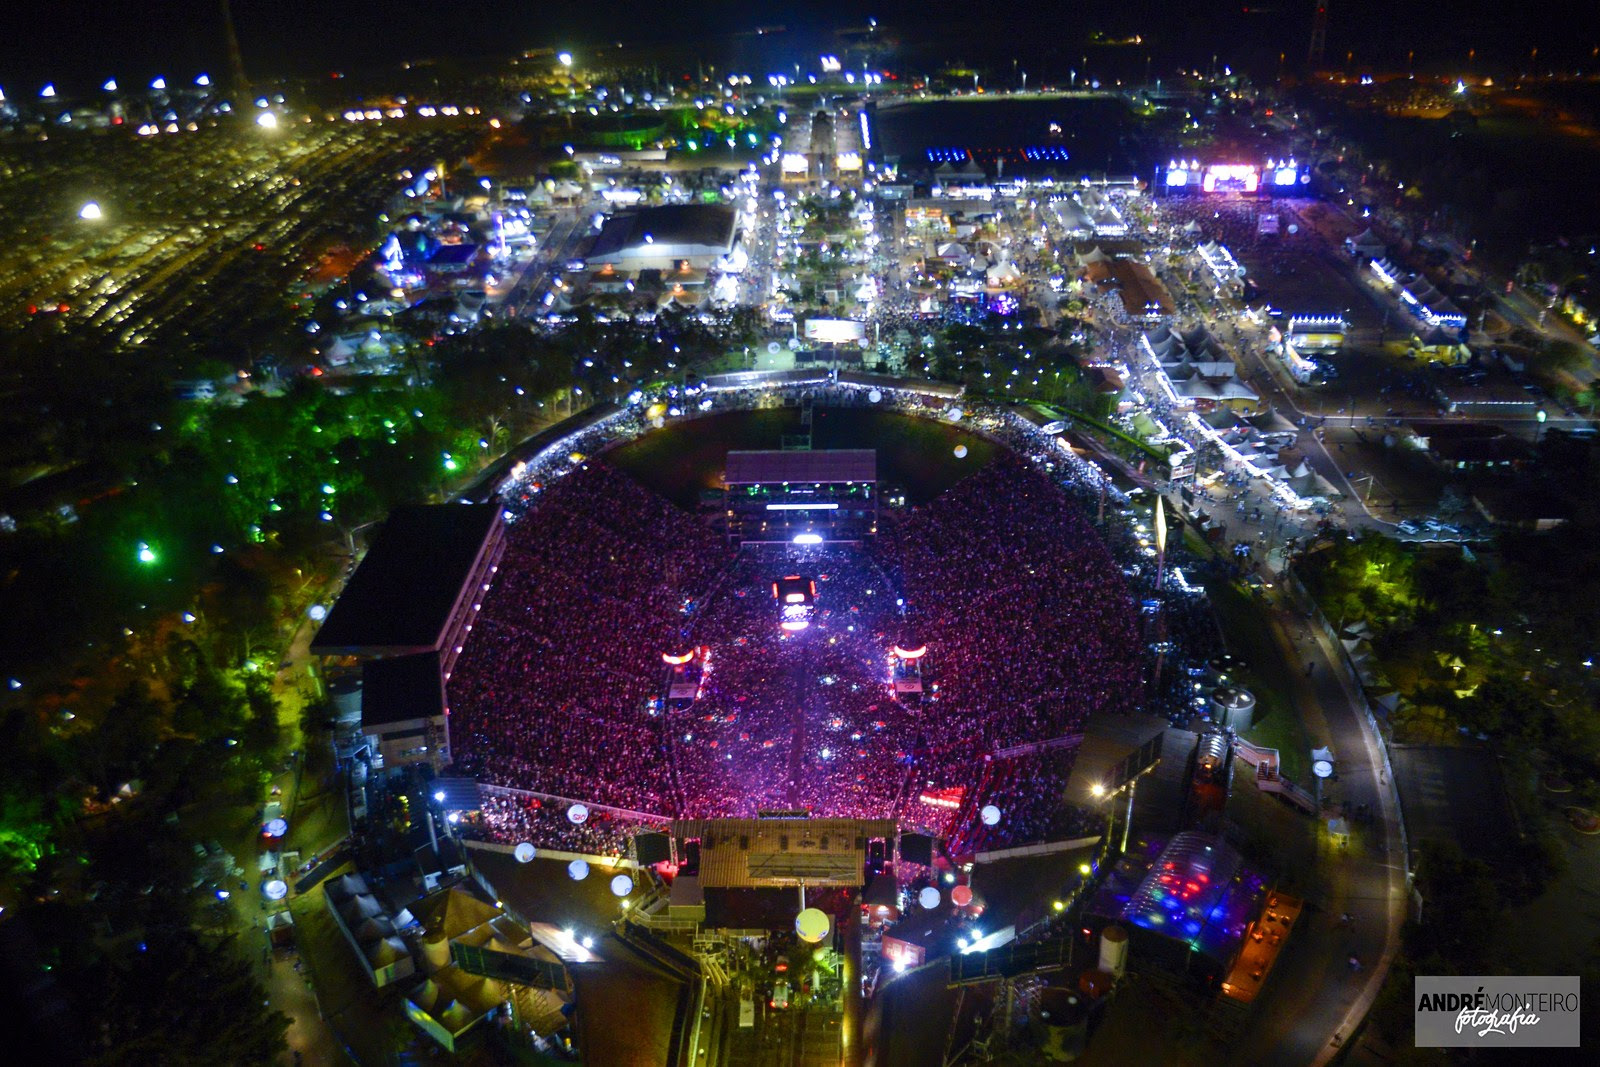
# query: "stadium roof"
827, 465
401, 597
673, 229
401, 689
760, 853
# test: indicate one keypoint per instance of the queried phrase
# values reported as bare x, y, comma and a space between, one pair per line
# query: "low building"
1518, 504
694, 234
374, 934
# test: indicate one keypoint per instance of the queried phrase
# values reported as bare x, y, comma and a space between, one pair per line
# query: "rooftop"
401, 689
670, 225
828, 465
402, 594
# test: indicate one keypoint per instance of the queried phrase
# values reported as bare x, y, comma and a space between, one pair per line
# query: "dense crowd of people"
1030, 617
793, 720
557, 698
554, 684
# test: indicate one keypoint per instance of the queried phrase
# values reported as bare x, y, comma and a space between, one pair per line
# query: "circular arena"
649, 652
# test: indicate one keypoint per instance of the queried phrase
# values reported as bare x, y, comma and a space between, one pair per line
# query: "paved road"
1317, 998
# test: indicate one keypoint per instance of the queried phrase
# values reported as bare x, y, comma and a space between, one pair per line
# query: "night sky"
88, 40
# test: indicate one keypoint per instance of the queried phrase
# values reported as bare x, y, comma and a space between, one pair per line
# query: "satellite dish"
961, 895
929, 897
875, 396
774, 347
961, 451
578, 814
990, 815
621, 885
811, 925
578, 870
794, 344
276, 889
524, 852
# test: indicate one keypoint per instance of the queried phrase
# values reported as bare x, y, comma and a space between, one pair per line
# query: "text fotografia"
1498, 1011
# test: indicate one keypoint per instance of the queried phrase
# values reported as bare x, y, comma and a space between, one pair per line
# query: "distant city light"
203, 80
159, 83
146, 553
48, 91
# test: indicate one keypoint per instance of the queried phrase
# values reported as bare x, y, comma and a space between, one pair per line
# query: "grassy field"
918, 455
1251, 638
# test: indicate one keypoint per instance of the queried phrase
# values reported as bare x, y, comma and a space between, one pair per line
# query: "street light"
90, 212
565, 59
267, 120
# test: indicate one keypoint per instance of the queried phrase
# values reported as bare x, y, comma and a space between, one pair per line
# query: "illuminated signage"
1240, 176
818, 506
835, 331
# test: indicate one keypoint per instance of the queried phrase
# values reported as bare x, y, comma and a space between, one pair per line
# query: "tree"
180, 1002
1558, 355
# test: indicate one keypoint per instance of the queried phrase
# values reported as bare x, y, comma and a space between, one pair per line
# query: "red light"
63, 308
261, 248
33, 309
915, 653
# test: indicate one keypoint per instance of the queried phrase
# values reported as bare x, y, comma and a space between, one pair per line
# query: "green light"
449, 462
327, 490
146, 553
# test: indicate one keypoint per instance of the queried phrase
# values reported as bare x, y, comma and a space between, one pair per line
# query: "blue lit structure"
1186, 903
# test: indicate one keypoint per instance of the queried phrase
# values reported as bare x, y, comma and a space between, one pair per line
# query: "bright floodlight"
1097, 789
90, 211
48, 91
110, 86
808, 539
146, 553
621, 885
159, 83
578, 814
203, 80
929, 897
578, 870
990, 815
267, 120
564, 58
439, 795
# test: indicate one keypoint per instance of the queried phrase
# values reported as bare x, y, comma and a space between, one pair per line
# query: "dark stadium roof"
400, 689
401, 596
829, 465
671, 224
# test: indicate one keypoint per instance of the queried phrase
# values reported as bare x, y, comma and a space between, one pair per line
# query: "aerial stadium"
951, 650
